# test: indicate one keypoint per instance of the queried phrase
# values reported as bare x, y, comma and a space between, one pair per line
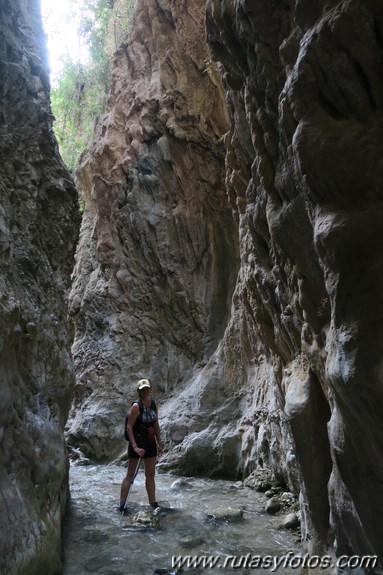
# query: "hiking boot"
122, 509
155, 505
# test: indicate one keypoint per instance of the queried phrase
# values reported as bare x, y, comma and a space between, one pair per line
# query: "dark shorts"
150, 446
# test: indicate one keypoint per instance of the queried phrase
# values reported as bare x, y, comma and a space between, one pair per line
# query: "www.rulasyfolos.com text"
272, 562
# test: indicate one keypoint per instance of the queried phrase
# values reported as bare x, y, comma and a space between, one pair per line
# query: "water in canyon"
98, 540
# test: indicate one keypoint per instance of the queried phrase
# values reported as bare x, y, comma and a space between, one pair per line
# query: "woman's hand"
139, 450
160, 448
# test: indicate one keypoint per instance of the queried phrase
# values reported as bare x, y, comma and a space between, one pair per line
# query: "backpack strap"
140, 406
153, 405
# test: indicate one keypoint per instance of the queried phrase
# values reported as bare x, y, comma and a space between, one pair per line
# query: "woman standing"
144, 442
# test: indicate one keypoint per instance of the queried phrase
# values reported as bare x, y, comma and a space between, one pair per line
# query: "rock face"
38, 230
254, 309
158, 253
305, 87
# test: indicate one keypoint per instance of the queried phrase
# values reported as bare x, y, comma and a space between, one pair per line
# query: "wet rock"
287, 498
226, 514
165, 508
180, 484
290, 521
147, 519
272, 506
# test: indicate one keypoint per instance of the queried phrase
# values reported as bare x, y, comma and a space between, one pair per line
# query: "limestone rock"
304, 86
158, 254
287, 498
181, 484
255, 306
39, 222
290, 521
260, 480
272, 506
146, 518
226, 514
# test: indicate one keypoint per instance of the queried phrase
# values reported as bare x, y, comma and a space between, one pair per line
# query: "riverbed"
97, 539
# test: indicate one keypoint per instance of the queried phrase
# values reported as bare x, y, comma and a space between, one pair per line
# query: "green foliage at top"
77, 103
79, 96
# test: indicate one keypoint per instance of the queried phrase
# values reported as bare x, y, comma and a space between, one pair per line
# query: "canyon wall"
230, 252
39, 222
304, 84
158, 251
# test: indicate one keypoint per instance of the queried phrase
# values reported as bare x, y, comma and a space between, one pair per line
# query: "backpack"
140, 405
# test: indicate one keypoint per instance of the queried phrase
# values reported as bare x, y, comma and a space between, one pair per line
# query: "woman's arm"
158, 434
133, 414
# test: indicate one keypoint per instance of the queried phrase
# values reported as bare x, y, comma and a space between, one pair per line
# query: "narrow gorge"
229, 251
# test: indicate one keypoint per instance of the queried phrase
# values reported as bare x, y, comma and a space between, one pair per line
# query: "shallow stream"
98, 540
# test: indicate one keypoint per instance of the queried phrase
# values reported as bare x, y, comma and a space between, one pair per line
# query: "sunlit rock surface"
38, 222
255, 308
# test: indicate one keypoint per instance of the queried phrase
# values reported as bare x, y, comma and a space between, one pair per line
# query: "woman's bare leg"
150, 469
127, 481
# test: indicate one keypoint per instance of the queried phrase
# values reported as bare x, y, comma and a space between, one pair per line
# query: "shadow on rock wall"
39, 221
305, 88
